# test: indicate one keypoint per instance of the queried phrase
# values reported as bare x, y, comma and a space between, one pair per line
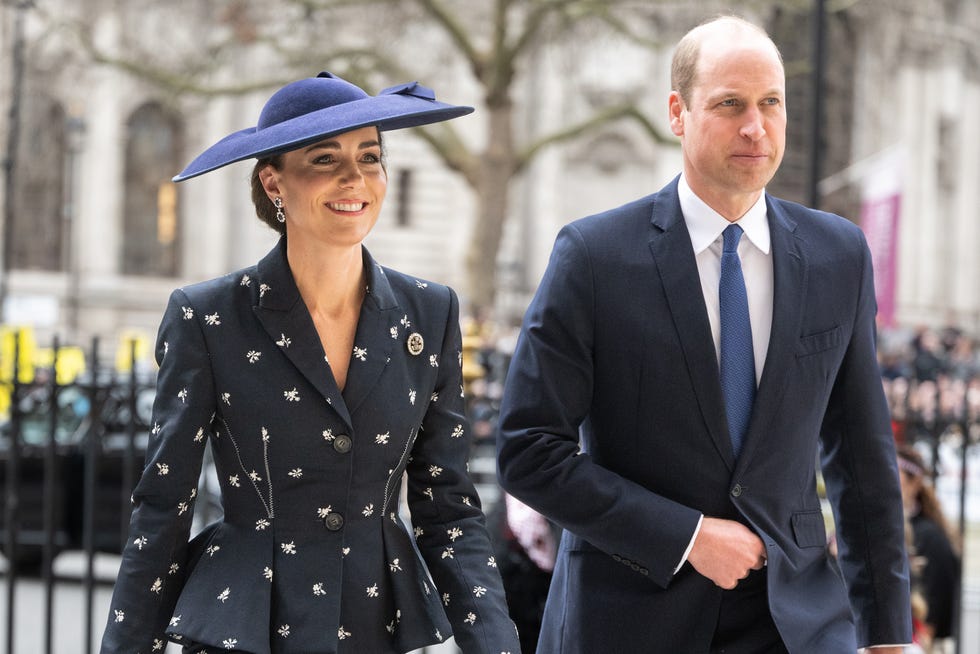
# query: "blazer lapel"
674, 258
284, 316
789, 288
373, 341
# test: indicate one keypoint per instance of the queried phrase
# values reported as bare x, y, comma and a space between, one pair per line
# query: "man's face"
733, 129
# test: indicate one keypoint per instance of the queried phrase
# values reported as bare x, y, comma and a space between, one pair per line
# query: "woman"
320, 379
937, 567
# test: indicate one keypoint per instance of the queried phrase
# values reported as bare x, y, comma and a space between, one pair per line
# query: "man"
672, 383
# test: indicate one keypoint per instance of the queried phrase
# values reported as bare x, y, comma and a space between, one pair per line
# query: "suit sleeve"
449, 524
547, 398
154, 557
859, 467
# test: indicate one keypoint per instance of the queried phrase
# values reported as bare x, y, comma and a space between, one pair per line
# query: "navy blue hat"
312, 109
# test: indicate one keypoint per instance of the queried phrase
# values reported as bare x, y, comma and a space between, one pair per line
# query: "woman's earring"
280, 214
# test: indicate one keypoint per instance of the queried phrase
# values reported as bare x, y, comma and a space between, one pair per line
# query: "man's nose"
753, 128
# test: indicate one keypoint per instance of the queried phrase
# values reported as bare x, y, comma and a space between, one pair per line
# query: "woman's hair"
910, 462
264, 209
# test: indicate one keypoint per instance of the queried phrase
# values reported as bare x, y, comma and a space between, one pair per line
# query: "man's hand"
725, 551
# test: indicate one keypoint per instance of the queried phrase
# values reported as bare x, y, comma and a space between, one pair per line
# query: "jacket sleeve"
155, 554
547, 397
861, 475
450, 527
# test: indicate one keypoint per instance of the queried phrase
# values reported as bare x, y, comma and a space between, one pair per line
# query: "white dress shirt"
705, 226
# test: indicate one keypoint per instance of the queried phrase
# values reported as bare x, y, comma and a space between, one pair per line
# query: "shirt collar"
706, 225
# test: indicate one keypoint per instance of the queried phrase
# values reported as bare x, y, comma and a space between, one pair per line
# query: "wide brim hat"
312, 109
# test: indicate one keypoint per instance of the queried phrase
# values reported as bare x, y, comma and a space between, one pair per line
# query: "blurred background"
103, 101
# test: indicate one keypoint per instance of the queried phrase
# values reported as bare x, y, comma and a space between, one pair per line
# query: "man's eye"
728, 103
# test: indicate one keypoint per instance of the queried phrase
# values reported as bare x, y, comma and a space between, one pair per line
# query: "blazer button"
343, 443
737, 490
334, 521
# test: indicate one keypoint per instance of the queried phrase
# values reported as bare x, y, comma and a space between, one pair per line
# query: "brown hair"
684, 64
929, 505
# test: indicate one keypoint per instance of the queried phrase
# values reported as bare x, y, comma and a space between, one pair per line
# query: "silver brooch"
415, 344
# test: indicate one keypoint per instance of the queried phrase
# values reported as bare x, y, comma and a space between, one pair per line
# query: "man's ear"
676, 109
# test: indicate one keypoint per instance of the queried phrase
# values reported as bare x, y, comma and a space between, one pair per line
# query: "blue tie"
737, 360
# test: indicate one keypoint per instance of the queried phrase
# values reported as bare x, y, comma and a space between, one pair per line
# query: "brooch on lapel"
415, 344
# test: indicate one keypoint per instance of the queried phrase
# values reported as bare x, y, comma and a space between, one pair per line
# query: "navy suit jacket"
613, 425
312, 554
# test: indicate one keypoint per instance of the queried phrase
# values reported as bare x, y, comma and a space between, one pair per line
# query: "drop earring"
280, 214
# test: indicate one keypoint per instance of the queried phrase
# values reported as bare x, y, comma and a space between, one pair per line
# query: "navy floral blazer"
312, 554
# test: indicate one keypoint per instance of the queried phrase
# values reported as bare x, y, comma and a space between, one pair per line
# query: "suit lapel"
285, 318
673, 255
373, 341
789, 289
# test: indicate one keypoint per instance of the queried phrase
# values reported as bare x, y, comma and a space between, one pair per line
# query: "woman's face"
332, 190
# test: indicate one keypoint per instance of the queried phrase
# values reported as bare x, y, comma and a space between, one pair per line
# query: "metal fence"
70, 455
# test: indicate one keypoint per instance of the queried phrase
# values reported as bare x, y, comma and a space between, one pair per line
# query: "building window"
404, 216
151, 229
37, 238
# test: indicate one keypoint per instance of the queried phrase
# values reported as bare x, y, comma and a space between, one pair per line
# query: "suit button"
342, 443
737, 490
334, 521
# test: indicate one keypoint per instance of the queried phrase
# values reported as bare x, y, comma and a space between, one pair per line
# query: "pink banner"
879, 220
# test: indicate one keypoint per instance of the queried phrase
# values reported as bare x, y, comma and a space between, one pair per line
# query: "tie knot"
732, 234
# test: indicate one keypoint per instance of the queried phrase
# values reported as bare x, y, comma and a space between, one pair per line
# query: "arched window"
151, 230
37, 236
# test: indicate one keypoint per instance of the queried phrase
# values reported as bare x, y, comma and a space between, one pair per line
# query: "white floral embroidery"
492, 562
284, 631
406, 323
467, 501
120, 615
434, 360
140, 542
254, 476
226, 398
291, 396
445, 599
288, 548
182, 508
174, 567
318, 589
166, 348
382, 439
394, 332
212, 319
454, 533
368, 510
156, 428
253, 356
158, 645
246, 281
188, 312
163, 469
428, 493
448, 553
174, 621
479, 591
360, 353
224, 595
345, 551
182, 394
470, 618
265, 435
411, 395
199, 436
342, 634
296, 473
458, 431
157, 586
263, 288
229, 643
435, 471
212, 550
233, 480
421, 284
284, 341
262, 524
434, 397
267, 573
328, 435
395, 566
372, 591
419, 531
323, 511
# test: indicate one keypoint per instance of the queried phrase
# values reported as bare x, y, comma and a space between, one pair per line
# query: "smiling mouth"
346, 206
